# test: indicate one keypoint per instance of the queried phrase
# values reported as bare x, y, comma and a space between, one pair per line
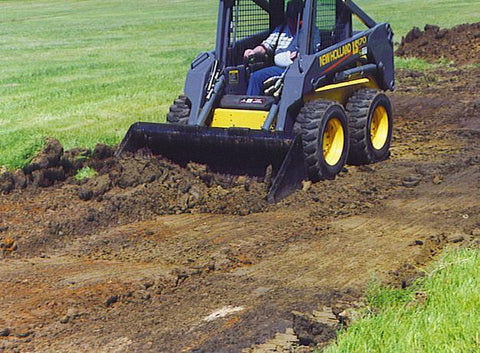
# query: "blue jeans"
257, 79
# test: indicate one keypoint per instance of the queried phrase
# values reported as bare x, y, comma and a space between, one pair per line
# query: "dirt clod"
65, 319
49, 156
456, 238
112, 300
315, 328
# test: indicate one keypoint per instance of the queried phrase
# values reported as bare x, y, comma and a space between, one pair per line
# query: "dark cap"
294, 7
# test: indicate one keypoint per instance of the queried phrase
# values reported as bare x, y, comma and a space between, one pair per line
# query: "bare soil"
146, 256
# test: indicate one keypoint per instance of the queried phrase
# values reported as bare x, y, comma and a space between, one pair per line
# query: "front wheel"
325, 138
370, 122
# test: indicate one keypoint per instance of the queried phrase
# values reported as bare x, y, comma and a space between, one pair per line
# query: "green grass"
413, 64
447, 321
404, 14
419, 64
85, 173
83, 71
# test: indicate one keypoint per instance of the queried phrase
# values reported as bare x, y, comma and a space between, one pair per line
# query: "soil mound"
460, 44
142, 183
137, 182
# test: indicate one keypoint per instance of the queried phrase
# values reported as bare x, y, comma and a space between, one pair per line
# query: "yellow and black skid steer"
326, 109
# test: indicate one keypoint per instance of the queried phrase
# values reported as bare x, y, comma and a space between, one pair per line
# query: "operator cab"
251, 22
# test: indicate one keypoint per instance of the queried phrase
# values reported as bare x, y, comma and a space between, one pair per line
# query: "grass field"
439, 313
83, 71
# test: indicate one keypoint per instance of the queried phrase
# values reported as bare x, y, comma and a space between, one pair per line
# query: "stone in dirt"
4, 332
72, 313
437, 180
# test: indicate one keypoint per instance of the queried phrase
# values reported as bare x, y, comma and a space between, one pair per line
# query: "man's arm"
260, 50
266, 46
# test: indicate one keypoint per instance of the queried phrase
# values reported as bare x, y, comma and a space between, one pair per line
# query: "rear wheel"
370, 122
179, 111
324, 129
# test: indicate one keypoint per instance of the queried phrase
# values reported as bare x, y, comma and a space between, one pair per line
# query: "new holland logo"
345, 50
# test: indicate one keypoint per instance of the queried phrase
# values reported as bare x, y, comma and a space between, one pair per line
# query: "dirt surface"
146, 256
460, 44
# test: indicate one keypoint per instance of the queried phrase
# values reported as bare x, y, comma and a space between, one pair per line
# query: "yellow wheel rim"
379, 127
333, 141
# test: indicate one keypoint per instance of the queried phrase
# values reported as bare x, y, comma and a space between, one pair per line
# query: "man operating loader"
281, 44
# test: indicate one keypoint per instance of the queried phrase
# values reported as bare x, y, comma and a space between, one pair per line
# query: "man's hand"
260, 50
248, 53
293, 55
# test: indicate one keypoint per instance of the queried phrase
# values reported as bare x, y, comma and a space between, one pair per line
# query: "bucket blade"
291, 174
227, 151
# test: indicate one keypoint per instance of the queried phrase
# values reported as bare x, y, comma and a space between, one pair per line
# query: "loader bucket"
227, 151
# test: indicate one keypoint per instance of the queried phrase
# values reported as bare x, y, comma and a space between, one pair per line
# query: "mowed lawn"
83, 71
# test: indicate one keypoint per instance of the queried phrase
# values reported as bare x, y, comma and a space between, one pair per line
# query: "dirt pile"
132, 188
460, 44
140, 182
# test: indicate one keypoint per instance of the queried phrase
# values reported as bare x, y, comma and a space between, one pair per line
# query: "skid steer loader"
327, 109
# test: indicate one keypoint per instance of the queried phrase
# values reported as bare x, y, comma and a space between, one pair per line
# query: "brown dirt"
146, 256
460, 44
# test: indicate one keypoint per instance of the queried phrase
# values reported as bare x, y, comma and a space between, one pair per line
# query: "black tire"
317, 121
179, 111
370, 122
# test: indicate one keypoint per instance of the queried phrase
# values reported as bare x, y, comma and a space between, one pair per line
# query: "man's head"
294, 8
